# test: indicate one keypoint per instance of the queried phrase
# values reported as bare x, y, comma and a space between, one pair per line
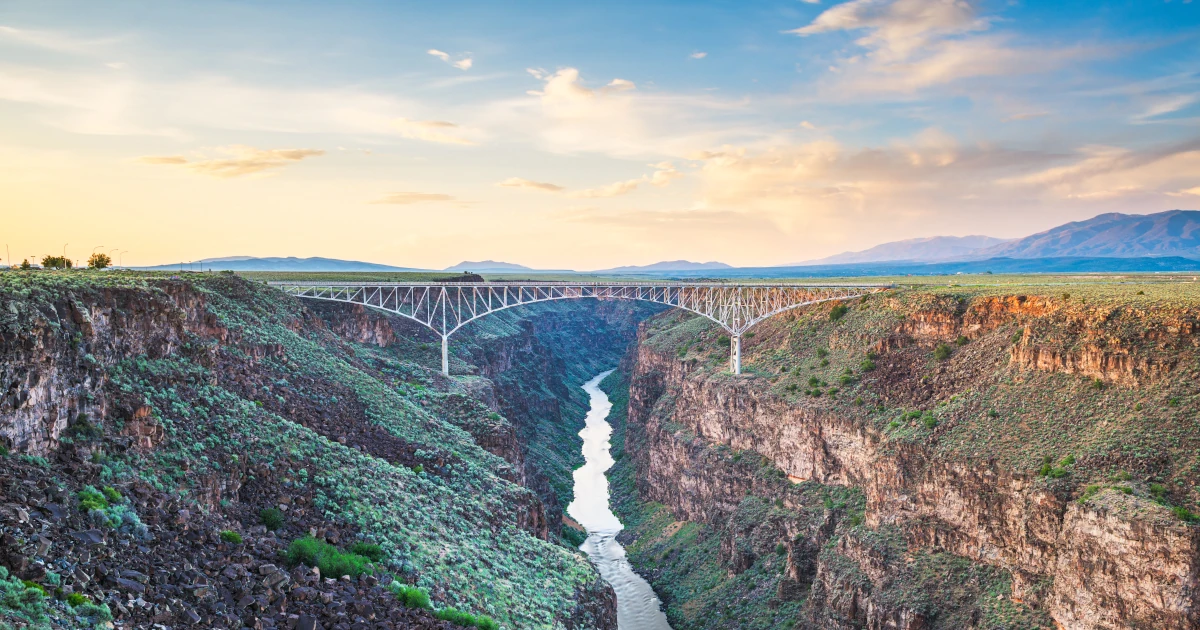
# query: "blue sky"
586, 135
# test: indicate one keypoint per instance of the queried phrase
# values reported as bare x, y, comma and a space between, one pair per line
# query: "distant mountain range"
1164, 241
251, 263
487, 266
924, 249
1171, 233
1113, 235
669, 265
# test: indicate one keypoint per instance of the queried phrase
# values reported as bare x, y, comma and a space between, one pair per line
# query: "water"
638, 608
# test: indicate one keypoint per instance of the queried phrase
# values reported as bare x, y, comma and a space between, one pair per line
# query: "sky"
573, 135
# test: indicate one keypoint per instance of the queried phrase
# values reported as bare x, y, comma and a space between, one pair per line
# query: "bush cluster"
329, 559
272, 518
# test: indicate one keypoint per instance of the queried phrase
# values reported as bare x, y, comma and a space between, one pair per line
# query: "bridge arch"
446, 307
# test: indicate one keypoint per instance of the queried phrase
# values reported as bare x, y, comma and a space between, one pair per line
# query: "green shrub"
411, 596
77, 599
858, 402
465, 619
1158, 491
867, 365
822, 353
962, 341
3, 451
838, 312
419, 468
930, 421
1057, 473
35, 586
1173, 402
272, 518
370, 551
1097, 384
112, 495
91, 499
573, 537
781, 549
723, 340
331, 561
942, 352
1185, 515
230, 536
36, 460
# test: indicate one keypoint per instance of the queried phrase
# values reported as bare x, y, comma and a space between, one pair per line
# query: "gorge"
1007, 456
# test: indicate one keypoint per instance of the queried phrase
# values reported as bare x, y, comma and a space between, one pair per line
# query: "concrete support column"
735, 354
446, 355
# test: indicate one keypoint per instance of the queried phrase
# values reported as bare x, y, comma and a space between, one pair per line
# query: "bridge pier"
735, 354
446, 355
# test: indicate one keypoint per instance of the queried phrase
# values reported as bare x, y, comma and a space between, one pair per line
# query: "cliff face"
219, 397
53, 359
1105, 556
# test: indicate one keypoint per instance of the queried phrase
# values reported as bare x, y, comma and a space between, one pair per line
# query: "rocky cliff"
196, 404
998, 489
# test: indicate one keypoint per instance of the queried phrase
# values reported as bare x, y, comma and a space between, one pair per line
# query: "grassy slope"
982, 407
976, 406
449, 531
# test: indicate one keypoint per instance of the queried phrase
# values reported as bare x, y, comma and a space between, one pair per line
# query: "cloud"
662, 176
1025, 116
162, 159
408, 198
1190, 191
464, 61
245, 161
617, 118
1104, 172
431, 131
525, 184
915, 44
50, 40
611, 190
698, 55
1166, 105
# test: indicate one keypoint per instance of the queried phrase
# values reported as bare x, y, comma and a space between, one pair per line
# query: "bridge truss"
446, 307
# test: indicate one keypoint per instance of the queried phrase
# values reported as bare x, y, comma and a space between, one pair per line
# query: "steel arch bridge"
445, 307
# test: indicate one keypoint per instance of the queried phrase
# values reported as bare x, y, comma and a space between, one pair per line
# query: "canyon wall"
1111, 559
216, 396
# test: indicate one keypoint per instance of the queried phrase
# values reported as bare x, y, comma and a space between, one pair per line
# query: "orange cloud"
245, 161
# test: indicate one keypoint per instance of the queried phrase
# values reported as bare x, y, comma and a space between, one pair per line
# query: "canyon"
932, 457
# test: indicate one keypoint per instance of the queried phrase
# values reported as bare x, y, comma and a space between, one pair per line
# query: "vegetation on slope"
438, 506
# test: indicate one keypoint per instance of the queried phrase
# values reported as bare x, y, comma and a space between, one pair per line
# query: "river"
638, 608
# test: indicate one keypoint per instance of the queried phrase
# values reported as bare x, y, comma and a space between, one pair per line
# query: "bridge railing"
444, 307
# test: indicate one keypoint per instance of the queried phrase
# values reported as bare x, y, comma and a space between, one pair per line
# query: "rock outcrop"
1114, 560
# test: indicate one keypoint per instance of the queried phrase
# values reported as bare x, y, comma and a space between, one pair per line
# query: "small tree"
56, 262
99, 260
25, 264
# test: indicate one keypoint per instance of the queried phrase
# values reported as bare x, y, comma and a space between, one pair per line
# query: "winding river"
638, 608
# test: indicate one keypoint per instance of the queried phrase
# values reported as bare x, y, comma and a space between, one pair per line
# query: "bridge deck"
444, 307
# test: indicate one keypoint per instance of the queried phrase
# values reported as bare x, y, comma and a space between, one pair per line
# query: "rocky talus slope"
927, 458
148, 422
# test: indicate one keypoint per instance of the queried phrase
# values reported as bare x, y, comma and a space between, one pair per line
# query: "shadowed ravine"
638, 608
